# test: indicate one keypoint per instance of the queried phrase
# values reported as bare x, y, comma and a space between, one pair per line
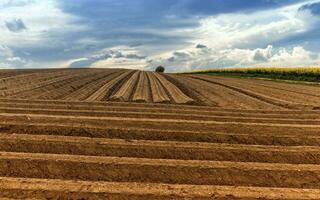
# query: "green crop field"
308, 74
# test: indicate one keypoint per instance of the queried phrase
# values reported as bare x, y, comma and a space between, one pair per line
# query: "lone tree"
160, 69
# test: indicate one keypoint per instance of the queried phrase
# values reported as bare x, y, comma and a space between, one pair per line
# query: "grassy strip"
294, 74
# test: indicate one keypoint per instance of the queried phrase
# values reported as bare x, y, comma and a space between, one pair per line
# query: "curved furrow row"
294, 92
33, 91
86, 90
24, 77
127, 89
257, 95
228, 97
159, 94
174, 92
108, 88
188, 89
34, 83
143, 91
63, 88
309, 90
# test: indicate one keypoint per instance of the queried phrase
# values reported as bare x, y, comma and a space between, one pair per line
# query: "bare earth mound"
122, 134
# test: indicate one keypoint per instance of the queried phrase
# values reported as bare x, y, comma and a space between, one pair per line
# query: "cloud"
5, 51
15, 3
9, 59
308, 35
49, 32
295, 57
115, 54
209, 7
209, 58
314, 8
263, 54
201, 46
15, 25
178, 56
180, 34
134, 56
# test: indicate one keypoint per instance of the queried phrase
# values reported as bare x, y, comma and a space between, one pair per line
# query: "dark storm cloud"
127, 22
111, 54
16, 25
201, 46
130, 21
314, 8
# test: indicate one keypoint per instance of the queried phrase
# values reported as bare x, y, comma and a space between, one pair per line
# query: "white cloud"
5, 52
297, 56
263, 54
225, 40
13, 3
120, 63
195, 58
116, 57
43, 18
249, 30
9, 59
243, 40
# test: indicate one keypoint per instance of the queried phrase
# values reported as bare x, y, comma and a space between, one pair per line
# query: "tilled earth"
92, 85
121, 134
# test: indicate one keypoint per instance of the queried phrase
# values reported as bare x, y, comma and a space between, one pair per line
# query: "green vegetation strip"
295, 74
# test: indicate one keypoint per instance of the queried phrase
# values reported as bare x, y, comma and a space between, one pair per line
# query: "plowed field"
121, 134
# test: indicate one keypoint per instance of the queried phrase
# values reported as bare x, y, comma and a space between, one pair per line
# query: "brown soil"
121, 134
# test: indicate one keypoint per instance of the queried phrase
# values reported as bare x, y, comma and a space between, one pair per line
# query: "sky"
181, 35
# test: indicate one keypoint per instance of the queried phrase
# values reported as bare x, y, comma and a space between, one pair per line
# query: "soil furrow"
158, 149
142, 93
267, 99
47, 188
153, 122
106, 89
88, 89
188, 90
177, 107
188, 112
127, 134
127, 89
253, 138
175, 93
54, 166
159, 95
47, 86
21, 89
163, 124
64, 88
294, 96
158, 115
